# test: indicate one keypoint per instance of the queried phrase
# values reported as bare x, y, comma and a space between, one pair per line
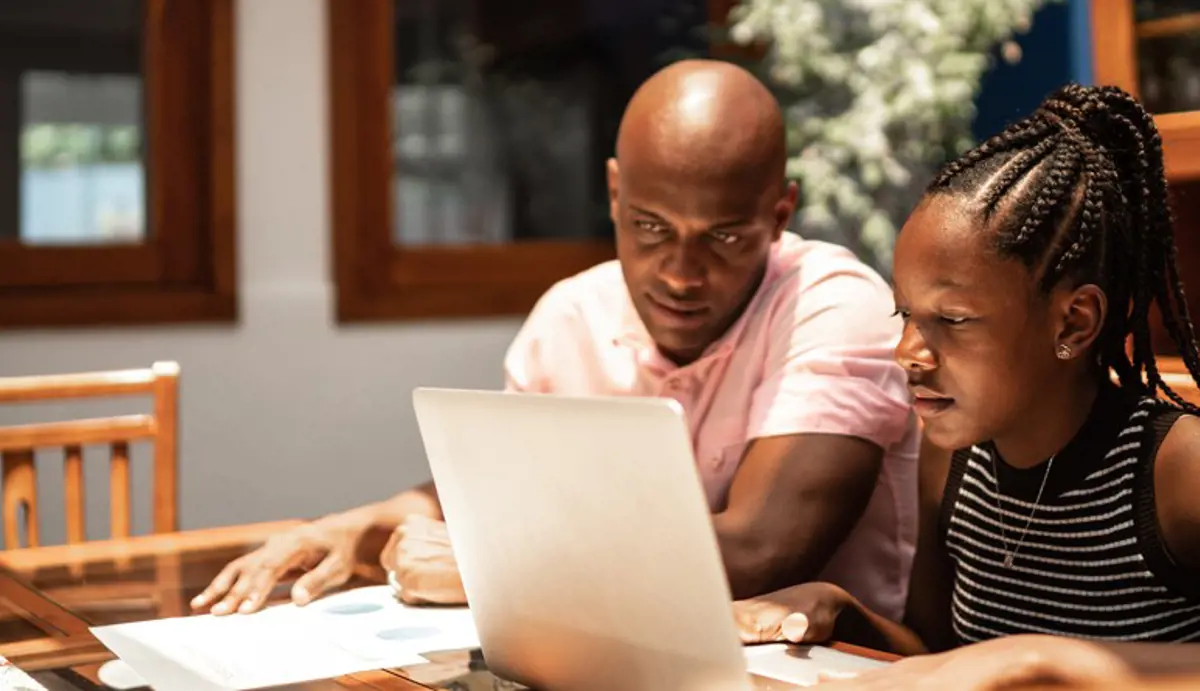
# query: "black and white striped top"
1092, 564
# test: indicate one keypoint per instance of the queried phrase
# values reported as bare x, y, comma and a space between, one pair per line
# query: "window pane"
1149, 10
1168, 54
82, 178
504, 113
71, 137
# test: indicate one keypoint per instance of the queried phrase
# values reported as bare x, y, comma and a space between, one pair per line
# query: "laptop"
584, 541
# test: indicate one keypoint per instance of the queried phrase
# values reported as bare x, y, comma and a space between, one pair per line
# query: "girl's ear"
1081, 312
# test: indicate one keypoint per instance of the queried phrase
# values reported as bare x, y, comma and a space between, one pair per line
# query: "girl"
1069, 506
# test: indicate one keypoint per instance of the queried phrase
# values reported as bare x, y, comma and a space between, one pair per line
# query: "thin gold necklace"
1010, 556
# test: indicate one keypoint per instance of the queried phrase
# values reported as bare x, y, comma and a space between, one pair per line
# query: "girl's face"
979, 339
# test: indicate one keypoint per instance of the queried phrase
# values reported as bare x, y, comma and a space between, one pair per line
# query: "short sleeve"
527, 359
829, 364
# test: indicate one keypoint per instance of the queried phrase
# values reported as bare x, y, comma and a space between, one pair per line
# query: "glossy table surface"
50, 596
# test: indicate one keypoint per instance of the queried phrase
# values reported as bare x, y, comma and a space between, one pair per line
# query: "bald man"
778, 348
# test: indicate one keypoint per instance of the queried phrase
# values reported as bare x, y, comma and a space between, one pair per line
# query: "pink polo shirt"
811, 354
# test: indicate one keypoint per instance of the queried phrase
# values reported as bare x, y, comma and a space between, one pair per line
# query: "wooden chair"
1176, 376
19, 442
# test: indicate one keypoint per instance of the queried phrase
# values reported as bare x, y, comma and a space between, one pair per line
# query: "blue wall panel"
1056, 50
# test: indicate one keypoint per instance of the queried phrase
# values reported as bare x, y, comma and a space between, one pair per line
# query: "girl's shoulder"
1175, 483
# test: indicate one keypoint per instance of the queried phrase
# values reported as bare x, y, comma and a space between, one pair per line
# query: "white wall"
286, 413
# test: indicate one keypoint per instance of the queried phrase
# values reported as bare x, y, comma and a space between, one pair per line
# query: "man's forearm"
758, 561
391, 512
793, 501
378, 519
750, 564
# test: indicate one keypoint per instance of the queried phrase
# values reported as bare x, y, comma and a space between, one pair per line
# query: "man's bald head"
705, 118
698, 197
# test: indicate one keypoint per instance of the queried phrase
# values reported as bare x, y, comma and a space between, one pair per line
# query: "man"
778, 349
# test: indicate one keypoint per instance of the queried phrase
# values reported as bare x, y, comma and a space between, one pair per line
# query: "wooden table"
49, 596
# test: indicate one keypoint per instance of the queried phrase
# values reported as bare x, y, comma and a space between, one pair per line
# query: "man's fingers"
387, 558
418, 521
757, 622
424, 586
750, 630
260, 583
410, 597
332, 571
795, 628
233, 599
813, 627
406, 578
424, 528
411, 587
219, 586
766, 621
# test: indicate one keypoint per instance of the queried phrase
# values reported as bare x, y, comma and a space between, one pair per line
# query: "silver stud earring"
1063, 351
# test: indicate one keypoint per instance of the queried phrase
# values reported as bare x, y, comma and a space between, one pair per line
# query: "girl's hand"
995, 665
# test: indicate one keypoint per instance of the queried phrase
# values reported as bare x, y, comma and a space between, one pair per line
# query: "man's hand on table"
801, 614
325, 549
421, 564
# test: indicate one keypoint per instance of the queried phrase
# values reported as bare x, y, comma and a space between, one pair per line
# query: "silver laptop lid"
584, 540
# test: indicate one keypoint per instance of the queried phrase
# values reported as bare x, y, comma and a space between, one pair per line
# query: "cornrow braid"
1084, 197
1058, 185
1024, 132
1011, 174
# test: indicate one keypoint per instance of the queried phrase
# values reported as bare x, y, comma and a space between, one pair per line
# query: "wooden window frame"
185, 270
377, 280
1114, 60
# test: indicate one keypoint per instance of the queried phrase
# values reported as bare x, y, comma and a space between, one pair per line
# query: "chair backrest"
1182, 384
19, 442
1175, 375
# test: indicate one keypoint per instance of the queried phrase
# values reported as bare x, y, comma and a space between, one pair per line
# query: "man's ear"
785, 208
613, 173
1081, 314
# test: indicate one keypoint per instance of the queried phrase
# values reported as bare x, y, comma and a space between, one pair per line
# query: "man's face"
693, 247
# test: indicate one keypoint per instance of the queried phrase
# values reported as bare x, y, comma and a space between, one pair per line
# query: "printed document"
352, 631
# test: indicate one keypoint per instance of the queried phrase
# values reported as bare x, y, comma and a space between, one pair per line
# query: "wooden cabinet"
1152, 50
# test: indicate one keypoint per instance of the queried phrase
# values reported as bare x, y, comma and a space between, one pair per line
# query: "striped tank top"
1092, 563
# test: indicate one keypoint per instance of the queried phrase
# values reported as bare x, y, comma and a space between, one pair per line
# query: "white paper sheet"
801, 665
13, 678
117, 674
352, 631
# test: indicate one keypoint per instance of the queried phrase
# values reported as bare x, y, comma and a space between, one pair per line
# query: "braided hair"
1076, 191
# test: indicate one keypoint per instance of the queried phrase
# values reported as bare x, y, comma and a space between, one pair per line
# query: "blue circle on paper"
354, 608
405, 633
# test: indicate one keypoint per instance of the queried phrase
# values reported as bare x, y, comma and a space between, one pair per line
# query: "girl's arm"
927, 612
927, 623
